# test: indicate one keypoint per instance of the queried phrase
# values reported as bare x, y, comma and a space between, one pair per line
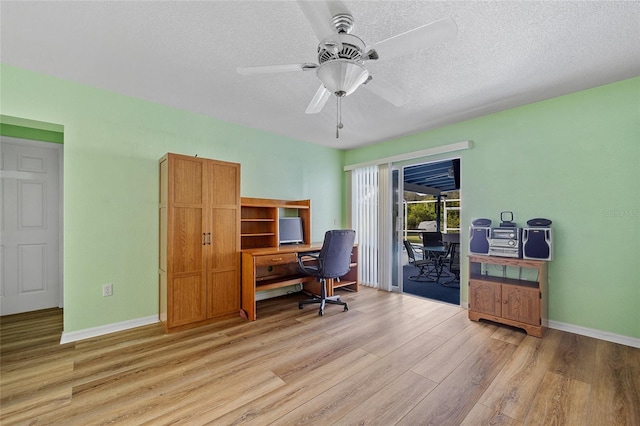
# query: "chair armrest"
313, 255
418, 250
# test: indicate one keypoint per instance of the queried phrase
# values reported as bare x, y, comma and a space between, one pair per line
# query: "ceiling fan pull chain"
339, 116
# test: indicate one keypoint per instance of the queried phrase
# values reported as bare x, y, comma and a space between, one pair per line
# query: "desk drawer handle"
276, 259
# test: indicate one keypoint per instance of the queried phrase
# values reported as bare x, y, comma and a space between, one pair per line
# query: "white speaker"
537, 243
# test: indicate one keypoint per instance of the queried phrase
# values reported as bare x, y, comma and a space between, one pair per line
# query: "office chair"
331, 262
426, 266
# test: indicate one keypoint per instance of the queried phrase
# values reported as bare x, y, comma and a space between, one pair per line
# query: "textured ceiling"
185, 54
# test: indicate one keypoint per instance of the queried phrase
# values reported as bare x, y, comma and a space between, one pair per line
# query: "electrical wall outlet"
107, 290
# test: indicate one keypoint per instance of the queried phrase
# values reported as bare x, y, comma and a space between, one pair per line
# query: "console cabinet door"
484, 297
521, 304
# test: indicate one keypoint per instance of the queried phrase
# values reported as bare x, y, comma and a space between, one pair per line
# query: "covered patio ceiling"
433, 178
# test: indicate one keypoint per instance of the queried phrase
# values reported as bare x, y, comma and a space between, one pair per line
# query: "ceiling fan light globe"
342, 75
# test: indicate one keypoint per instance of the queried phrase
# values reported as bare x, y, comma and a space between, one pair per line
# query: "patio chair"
427, 266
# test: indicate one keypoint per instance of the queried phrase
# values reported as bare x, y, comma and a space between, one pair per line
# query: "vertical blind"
365, 190
385, 228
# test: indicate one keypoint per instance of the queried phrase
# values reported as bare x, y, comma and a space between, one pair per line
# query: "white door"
30, 236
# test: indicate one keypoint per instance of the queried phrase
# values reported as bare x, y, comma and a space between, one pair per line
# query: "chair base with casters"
323, 299
331, 262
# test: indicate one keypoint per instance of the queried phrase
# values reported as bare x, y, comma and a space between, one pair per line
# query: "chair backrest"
451, 238
431, 239
410, 253
334, 259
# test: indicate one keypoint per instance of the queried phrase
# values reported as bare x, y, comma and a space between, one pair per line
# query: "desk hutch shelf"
513, 301
259, 220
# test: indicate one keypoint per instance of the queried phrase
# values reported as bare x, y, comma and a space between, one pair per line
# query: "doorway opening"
31, 252
431, 208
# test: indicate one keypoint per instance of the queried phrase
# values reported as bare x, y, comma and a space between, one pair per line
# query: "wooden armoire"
199, 267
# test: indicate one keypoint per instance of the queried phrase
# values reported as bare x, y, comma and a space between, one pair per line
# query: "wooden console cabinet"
517, 302
199, 265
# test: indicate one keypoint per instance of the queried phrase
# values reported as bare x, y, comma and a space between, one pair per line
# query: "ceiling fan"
341, 55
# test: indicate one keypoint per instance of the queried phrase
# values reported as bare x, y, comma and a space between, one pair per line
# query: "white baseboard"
584, 331
74, 336
598, 334
87, 333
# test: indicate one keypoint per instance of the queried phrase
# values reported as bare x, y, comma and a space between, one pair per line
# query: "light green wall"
111, 147
575, 160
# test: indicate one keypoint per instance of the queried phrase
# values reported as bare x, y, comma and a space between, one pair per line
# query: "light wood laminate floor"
391, 359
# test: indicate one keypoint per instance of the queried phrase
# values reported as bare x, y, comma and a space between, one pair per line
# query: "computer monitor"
290, 230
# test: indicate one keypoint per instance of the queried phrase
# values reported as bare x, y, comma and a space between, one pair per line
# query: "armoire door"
189, 245
223, 280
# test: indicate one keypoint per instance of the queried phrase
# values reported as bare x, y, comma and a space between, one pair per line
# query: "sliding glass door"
397, 218
382, 221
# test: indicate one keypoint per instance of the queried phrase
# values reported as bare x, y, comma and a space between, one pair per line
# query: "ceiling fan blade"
320, 15
420, 38
268, 69
318, 101
387, 91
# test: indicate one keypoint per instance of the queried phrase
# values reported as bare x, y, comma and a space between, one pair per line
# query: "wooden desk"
274, 267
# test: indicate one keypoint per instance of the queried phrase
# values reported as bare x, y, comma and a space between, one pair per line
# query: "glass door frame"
397, 219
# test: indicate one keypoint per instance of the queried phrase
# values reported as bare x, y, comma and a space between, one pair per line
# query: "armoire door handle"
204, 239
209, 234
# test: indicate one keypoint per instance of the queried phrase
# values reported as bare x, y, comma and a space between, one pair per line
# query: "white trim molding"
87, 333
584, 331
597, 334
443, 149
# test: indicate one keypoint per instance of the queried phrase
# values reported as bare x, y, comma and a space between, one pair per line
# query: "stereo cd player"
505, 242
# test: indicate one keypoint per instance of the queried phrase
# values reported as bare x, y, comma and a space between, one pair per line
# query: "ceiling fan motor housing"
340, 46
341, 68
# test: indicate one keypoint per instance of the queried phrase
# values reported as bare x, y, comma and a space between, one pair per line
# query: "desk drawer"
276, 259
